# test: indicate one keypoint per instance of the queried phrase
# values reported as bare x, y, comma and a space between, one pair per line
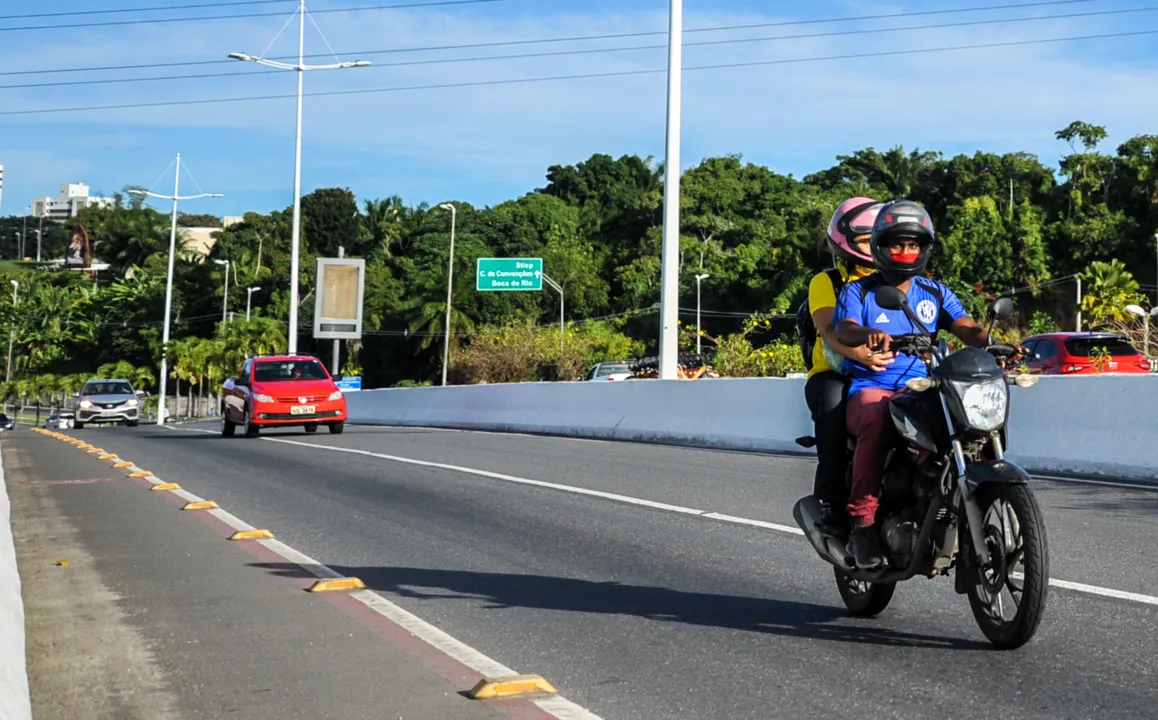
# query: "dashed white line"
667, 507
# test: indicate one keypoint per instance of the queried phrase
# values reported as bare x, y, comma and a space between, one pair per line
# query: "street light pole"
699, 331
249, 300
11, 331
669, 277
225, 293
1140, 312
449, 289
175, 197
562, 300
300, 68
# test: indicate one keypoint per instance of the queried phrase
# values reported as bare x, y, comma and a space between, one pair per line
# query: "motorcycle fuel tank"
911, 413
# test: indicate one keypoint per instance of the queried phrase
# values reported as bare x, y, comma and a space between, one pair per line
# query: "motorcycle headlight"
984, 403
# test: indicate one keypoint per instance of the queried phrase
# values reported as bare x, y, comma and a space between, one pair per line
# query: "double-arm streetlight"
300, 67
176, 196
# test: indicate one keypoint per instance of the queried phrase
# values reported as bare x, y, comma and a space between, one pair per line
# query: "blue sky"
486, 144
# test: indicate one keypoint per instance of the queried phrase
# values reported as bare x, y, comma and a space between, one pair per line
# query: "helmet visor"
861, 223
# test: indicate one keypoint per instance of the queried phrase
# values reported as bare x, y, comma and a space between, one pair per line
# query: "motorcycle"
949, 499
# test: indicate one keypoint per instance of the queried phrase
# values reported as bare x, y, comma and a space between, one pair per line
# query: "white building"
73, 197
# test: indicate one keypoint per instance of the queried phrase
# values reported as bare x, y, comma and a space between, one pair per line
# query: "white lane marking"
1142, 486
1105, 592
1091, 481
1079, 587
557, 706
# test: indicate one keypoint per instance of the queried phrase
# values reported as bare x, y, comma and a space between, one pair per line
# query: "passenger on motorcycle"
826, 389
900, 244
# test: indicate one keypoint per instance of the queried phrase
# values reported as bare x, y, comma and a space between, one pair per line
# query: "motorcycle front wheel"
1008, 597
863, 599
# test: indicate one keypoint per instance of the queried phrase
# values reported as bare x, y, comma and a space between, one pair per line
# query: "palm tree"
1111, 287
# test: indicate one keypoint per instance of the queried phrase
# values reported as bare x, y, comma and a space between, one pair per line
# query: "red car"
282, 391
1071, 353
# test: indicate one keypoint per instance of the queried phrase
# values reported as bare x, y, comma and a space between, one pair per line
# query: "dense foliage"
1006, 223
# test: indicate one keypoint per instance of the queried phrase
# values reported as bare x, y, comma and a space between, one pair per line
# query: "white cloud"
480, 141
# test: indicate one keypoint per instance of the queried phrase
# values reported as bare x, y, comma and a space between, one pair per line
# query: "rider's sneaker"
865, 548
833, 520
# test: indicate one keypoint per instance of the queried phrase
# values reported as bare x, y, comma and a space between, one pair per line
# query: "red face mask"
905, 255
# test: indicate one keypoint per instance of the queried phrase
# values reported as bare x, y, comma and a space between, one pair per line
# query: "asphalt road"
643, 612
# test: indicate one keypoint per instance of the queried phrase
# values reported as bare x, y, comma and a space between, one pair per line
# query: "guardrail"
1090, 425
15, 703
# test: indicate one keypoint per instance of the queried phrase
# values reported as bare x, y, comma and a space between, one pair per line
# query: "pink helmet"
854, 217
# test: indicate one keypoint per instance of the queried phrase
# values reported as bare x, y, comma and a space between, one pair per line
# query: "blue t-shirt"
860, 306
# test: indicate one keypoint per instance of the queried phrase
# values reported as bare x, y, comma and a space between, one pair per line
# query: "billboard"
338, 298
79, 254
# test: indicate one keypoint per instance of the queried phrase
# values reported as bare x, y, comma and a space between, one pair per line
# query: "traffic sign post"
509, 274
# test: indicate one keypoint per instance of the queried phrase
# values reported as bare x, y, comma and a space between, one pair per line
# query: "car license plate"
1113, 366
302, 410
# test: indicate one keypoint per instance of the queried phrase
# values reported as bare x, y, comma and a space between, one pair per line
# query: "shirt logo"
927, 311
882, 318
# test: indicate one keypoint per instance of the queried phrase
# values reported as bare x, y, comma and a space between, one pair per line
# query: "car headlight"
86, 403
336, 395
262, 398
132, 402
984, 403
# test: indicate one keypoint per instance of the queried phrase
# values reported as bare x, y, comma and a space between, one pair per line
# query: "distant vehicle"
282, 391
1070, 353
107, 400
608, 371
62, 420
6, 423
689, 366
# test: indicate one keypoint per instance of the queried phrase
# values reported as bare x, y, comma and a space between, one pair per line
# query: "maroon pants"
870, 424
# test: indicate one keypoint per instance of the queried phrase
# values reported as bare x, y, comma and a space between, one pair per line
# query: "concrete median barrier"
1095, 425
14, 699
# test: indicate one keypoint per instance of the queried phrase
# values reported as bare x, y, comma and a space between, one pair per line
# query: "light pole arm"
174, 197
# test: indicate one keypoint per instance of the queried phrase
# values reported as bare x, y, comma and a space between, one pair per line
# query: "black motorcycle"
949, 500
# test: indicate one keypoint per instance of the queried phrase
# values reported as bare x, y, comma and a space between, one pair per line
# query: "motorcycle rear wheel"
1017, 537
863, 599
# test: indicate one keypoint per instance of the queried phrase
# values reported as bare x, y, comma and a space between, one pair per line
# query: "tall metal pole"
669, 282
337, 342
449, 288
699, 331
1079, 279
39, 236
11, 331
562, 299
162, 408
175, 197
297, 220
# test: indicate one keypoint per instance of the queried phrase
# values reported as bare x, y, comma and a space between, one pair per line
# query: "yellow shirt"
822, 294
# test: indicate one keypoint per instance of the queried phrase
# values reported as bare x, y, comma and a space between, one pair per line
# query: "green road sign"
509, 274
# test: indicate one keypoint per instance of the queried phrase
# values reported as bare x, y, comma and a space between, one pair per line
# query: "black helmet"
902, 219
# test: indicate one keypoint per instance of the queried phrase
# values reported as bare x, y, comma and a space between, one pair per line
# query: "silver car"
107, 401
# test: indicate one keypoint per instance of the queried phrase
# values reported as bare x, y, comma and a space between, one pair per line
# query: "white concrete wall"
14, 700
1088, 425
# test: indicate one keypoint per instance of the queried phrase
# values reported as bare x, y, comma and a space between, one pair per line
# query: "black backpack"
805, 328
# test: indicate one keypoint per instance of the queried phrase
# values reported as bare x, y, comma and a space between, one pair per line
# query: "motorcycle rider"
901, 242
826, 388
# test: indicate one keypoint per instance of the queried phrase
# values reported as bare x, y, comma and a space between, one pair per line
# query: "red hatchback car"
1075, 353
282, 391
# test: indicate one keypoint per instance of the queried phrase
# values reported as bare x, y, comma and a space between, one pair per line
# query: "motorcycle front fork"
972, 509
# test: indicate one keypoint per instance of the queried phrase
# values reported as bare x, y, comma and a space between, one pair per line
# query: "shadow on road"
499, 591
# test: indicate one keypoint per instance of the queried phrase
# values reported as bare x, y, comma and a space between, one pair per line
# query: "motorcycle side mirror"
890, 298
1002, 309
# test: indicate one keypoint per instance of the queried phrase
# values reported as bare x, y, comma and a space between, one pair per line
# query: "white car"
608, 371
60, 421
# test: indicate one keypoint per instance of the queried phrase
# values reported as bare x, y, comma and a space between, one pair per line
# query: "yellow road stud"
251, 535
122, 463
107, 456
141, 473
95, 450
203, 505
513, 686
336, 584
166, 486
